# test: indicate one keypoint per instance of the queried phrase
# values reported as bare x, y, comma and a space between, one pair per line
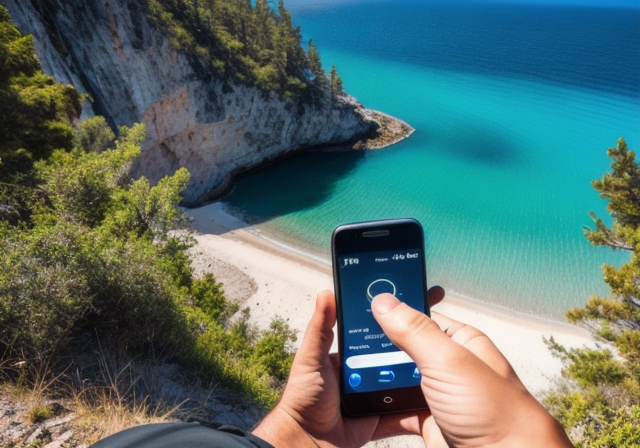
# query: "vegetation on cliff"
36, 115
599, 401
92, 260
254, 44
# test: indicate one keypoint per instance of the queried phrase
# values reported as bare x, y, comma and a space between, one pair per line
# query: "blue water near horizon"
514, 107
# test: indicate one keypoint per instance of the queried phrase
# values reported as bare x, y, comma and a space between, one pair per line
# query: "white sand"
285, 284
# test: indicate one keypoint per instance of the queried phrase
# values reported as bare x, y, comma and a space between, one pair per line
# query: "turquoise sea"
514, 107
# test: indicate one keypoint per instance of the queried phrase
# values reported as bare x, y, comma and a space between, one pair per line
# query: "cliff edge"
216, 128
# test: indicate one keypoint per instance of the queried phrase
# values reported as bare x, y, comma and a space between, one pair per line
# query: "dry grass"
31, 398
103, 414
107, 409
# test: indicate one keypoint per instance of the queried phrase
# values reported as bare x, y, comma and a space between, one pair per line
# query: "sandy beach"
277, 280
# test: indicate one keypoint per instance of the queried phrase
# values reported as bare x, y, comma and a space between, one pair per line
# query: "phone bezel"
346, 239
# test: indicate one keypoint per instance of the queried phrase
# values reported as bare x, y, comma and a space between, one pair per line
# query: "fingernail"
383, 303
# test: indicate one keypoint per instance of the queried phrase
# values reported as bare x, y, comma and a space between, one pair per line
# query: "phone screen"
371, 362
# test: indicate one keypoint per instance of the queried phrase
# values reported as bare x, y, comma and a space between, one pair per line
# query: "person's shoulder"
193, 435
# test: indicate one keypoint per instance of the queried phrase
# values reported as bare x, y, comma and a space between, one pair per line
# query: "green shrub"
41, 294
621, 429
106, 259
273, 350
208, 296
95, 135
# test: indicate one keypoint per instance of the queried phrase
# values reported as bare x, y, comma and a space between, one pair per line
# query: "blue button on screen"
355, 380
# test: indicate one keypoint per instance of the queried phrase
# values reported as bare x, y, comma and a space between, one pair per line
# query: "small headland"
390, 131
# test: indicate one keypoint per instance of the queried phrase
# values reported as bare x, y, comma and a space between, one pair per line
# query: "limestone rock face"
110, 50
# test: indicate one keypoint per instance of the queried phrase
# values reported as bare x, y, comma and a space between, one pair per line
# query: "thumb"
319, 335
417, 334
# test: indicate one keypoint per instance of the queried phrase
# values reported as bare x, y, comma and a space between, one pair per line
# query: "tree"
17, 55
600, 401
36, 116
315, 65
336, 82
255, 45
36, 113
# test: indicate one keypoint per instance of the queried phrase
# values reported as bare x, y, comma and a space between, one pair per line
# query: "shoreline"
287, 279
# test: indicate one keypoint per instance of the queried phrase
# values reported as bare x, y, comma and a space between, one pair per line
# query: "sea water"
514, 107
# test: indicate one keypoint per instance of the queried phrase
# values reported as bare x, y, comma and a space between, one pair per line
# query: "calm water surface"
514, 108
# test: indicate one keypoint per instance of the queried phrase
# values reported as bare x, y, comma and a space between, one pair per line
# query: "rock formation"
112, 52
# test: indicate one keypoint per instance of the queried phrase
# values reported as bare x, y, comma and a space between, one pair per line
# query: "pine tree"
256, 45
35, 112
602, 398
315, 65
336, 82
36, 117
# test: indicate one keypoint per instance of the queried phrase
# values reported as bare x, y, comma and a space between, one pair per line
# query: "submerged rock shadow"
479, 143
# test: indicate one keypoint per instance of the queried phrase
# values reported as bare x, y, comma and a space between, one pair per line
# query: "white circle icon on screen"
379, 286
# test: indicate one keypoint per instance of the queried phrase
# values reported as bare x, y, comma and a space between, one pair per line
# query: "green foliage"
336, 82
17, 55
208, 296
35, 119
315, 65
40, 413
35, 112
41, 295
89, 254
81, 185
572, 408
73, 271
600, 400
595, 368
95, 135
620, 430
273, 350
267, 77
106, 259
620, 188
256, 45
144, 209
590, 368
254, 362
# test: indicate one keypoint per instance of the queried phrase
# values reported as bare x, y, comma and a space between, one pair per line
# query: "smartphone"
370, 258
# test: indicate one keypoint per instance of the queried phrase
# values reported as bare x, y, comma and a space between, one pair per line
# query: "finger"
431, 433
325, 311
319, 335
477, 342
436, 294
392, 425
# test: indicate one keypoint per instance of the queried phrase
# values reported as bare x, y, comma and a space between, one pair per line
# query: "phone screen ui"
371, 362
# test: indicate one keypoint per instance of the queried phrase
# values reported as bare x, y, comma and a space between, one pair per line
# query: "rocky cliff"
109, 50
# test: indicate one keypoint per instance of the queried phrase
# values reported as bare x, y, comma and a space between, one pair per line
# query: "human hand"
475, 398
309, 412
